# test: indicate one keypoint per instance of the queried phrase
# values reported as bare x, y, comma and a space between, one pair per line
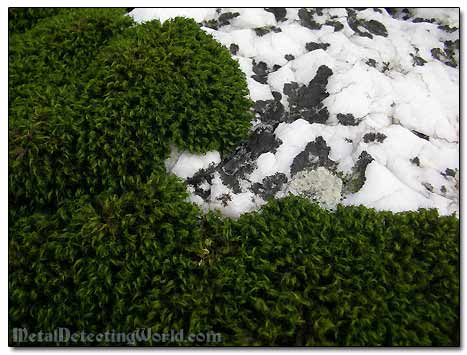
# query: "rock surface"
369, 95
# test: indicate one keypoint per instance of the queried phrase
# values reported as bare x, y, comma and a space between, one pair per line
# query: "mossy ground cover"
101, 237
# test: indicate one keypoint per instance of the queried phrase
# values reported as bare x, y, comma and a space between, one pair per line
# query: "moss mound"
101, 238
96, 102
291, 274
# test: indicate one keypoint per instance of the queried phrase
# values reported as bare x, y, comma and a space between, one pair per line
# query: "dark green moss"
290, 274
96, 102
21, 19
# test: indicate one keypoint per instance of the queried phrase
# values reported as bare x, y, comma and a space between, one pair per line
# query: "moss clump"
109, 261
96, 102
178, 78
290, 274
21, 19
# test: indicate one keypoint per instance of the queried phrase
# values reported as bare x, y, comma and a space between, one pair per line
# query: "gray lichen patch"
319, 185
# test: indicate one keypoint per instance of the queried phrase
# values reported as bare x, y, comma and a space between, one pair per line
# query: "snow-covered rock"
185, 164
367, 94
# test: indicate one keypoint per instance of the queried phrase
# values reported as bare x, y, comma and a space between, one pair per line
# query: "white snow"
163, 14
259, 91
383, 191
252, 18
185, 165
448, 16
229, 203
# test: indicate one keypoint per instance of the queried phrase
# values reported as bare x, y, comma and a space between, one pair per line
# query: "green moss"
101, 238
21, 19
96, 102
290, 274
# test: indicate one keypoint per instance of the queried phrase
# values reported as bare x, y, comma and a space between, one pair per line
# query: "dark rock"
437, 53
443, 189
448, 29
289, 57
357, 178
269, 186
450, 50
418, 60
336, 24
419, 20
261, 72
277, 95
263, 79
316, 154
233, 163
306, 19
260, 68
427, 186
347, 119
421, 135
224, 19
233, 180
450, 172
447, 56
311, 46
415, 161
386, 67
371, 62
261, 31
214, 24
241, 162
363, 160
276, 67
306, 101
373, 27
279, 12
375, 9
201, 176
376, 28
371, 137
234, 167
262, 141
270, 112
355, 24
225, 199
392, 11
234, 48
